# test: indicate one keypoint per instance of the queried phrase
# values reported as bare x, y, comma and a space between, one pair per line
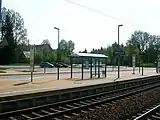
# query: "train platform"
19, 87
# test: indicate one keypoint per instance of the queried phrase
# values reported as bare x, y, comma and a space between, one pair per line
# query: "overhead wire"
92, 9
100, 12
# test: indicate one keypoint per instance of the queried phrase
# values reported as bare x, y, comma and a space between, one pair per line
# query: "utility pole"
0, 14
119, 54
57, 53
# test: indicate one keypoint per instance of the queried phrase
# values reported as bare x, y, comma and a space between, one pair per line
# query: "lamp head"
56, 28
120, 25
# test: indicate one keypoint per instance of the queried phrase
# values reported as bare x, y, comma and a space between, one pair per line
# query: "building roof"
3, 43
39, 47
26, 54
88, 55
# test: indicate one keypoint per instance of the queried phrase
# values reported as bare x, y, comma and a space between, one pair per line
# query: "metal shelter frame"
91, 56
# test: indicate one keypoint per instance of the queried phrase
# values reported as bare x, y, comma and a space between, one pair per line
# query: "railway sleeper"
46, 112
66, 116
155, 117
75, 114
12, 118
90, 101
70, 106
95, 100
84, 111
83, 103
36, 114
57, 119
157, 113
97, 107
55, 110
91, 109
63, 108
26, 116
149, 119
104, 105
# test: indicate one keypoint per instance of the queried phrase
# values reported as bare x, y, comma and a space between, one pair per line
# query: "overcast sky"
87, 29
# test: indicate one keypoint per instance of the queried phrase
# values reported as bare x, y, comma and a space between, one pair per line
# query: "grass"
3, 68
2, 71
26, 71
19, 64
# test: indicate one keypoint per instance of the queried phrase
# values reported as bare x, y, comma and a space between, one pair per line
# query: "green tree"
19, 31
46, 41
8, 51
63, 45
141, 38
85, 51
15, 34
65, 49
70, 46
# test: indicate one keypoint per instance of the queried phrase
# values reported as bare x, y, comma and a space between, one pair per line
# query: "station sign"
133, 60
119, 52
133, 63
32, 58
158, 64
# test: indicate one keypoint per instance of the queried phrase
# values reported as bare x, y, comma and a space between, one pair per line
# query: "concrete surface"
24, 86
22, 71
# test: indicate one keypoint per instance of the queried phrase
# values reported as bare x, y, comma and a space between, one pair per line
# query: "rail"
61, 109
152, 114
50, 97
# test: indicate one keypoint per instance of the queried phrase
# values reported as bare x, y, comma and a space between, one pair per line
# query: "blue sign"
120, 52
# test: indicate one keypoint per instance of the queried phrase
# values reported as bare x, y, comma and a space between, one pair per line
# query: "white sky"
85, 28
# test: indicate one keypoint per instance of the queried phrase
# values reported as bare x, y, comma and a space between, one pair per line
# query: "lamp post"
158, 61
142, 61
158, 56
139, 64
0, 14
57, 53
118, 54
0, 10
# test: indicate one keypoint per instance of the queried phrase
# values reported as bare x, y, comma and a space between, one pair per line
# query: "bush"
26, 71
3, 68
148, 65
2, 71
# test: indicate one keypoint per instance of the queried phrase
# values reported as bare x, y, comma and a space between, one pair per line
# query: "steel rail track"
61, 108
150, 114
50, 97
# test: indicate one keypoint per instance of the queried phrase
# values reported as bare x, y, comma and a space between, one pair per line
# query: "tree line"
141, 44
46, 53
14, 42
13, 37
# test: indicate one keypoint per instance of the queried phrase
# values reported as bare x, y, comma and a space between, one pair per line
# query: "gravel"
121, 109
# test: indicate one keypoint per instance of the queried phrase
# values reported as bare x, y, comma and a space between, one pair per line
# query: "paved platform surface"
22, 71
17, 87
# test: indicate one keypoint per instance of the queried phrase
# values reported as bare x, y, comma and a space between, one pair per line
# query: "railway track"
24, 101
150, 114
63, 110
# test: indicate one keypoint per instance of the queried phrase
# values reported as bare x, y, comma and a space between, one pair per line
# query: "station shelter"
94, 62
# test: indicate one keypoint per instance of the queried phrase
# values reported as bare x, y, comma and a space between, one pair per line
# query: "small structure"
3, 43
26, 54
90, 57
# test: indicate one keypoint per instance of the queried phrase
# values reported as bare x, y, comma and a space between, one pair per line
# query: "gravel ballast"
121, 109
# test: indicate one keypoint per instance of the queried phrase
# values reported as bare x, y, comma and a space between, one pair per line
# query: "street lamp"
0, 14
57, 53
142, 54
158, 56
0, 10
119, 54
